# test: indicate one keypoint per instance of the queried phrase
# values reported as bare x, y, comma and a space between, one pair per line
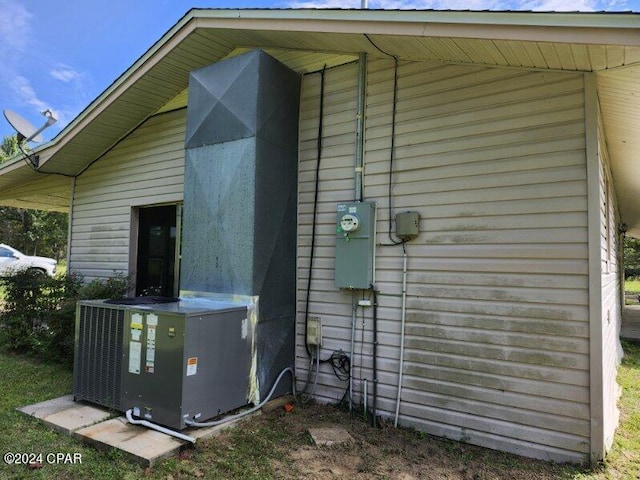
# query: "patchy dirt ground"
279, 446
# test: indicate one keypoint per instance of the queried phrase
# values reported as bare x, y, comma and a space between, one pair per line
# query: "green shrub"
631, 272
38, 316
112, 287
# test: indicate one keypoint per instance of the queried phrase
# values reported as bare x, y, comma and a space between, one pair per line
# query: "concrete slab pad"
42, 409
207, 432
65, 415
141, 445
330, 436
95, 426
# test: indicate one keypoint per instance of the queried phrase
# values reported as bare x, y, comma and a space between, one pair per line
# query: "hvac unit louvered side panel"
98, 355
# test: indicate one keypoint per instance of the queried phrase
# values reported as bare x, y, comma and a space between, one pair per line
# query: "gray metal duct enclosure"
239, 218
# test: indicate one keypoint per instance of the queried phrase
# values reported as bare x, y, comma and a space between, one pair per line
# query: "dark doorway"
156, 251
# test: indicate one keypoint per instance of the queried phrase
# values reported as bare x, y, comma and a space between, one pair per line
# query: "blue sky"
62, 54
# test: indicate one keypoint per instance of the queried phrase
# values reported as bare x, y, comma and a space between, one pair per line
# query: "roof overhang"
605, 43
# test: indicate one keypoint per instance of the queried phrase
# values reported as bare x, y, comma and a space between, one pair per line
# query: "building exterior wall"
497, 319
612, 300
146, 168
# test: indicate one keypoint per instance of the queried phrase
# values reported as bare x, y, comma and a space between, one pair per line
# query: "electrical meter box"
355, 245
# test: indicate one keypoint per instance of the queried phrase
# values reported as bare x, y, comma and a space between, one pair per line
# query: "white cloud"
536, 5
15, 38
326, 4
14, 22
28, 74
561, 5
25, 92
65, 74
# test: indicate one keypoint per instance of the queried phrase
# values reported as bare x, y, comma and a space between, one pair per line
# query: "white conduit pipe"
159, 428
215, 423
402, 323
365, 398
353, 342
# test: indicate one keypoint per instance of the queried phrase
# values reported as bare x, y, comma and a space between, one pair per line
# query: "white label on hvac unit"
135, 347
136, 327
152, 323
135, 357
192, 366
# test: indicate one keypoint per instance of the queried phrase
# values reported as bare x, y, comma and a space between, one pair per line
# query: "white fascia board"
593, 29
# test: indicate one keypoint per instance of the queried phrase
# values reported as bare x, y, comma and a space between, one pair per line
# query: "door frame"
133, 245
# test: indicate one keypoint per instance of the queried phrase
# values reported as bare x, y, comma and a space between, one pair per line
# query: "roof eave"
590, 27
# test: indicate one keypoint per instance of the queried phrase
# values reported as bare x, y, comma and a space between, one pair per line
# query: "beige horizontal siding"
612, 300
146, 168
497, 349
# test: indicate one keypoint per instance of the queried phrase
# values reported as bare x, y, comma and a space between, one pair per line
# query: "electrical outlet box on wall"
314, 331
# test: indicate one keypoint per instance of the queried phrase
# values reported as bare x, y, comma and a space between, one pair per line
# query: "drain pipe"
360, 118
158, 428
402, 325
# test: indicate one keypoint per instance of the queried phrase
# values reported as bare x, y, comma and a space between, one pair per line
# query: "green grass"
261, 448
25, 382
624, 459
632, 286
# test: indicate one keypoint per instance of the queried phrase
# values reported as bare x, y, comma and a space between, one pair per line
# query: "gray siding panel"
496, 348
611, 318
146, 168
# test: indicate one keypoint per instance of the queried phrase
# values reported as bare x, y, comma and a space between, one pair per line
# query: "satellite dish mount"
27, 132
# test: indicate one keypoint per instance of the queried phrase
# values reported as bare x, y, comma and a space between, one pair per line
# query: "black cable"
315, 207
340, 362
29, 160
341, 365
392, 153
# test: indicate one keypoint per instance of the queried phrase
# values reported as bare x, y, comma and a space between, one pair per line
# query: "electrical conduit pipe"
402, 324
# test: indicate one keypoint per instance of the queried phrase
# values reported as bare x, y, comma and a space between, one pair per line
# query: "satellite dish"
26, 131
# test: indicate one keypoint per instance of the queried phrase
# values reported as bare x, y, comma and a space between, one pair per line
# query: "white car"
11, 260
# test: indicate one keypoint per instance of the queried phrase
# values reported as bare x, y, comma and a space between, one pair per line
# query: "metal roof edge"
481, 17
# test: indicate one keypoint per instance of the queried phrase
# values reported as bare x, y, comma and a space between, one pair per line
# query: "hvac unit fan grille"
98, 356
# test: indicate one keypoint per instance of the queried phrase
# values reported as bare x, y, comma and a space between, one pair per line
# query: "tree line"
34, 232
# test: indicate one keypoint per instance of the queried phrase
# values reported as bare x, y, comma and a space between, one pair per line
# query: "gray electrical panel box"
355, 245
185, 362
407, 225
